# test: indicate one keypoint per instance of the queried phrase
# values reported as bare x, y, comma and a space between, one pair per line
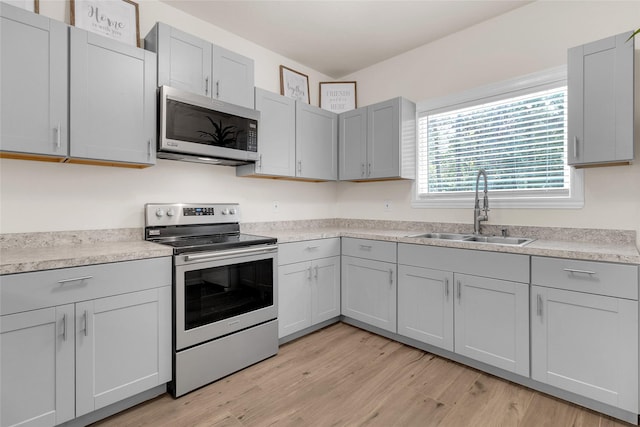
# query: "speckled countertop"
23, 252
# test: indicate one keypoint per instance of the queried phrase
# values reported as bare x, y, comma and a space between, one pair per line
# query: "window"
514, 130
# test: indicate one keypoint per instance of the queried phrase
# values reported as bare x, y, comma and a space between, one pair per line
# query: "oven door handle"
225, 254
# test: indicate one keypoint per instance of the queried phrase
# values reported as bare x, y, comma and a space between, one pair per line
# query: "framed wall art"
30, 5
116, 19
338, 96
294, 84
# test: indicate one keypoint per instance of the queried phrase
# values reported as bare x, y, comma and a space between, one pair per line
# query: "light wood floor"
344, 376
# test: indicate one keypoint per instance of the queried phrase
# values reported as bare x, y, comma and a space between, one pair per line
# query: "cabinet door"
112, 100
276, 134
123, 347
325, 297
233, 77
316, 143
369, 292
425, 305
184, 61
294, 298
33, 83
586, 344
492, 322
383, 139
353, 144
600, 92
37, 365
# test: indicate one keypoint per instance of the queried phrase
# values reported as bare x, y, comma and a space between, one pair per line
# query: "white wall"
529, 39
39, 196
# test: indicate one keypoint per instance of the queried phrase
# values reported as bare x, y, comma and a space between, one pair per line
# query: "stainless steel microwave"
200, 129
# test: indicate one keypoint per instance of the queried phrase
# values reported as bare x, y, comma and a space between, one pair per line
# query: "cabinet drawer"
369, 249
30, 291
497, 265
289, 253
616, 280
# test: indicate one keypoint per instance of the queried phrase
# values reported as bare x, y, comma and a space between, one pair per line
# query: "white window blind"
519, 141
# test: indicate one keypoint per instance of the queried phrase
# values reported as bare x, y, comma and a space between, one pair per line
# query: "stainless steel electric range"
224, 291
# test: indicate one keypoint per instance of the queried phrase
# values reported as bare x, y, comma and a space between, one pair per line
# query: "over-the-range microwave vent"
196, 128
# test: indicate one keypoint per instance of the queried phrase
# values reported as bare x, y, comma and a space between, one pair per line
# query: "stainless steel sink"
443, 236
499, 240
495, 240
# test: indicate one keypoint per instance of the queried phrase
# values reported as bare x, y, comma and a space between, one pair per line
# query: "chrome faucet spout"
477, 217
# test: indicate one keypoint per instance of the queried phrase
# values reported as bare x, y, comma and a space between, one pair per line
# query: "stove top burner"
216, 243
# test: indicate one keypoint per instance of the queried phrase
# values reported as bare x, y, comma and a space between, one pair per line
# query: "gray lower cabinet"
308, 284
378, 141
112, 101
601, 107
475, 303
78, 339
369, 276
195, 65
584, 326
34, 85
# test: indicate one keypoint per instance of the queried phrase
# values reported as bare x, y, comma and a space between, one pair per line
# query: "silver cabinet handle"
575, 146
149, 148
86, 323
539, 305
366, 247
64, 327
446, 288
315, 272
459, 290
309, 273
391, 276
206, 85
363, 168
75, 279
217, 88
299, 166
260, 162
58, 137
312, 248
369, 170
572, 271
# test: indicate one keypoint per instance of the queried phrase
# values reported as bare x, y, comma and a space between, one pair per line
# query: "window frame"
553, 198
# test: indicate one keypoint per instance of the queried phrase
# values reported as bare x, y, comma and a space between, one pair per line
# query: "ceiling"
337, 38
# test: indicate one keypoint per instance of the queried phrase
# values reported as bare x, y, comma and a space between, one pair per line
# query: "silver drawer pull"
366, 247
75, 279
64, 327
312, 248
446, 288
571, 270
85, 317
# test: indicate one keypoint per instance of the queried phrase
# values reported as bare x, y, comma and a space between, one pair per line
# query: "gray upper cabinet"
316, 143
112, 101
600, 91
192, 64
378, 141
34, 85
295, 140
276, 137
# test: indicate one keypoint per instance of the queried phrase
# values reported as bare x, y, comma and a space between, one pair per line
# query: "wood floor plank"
344, 376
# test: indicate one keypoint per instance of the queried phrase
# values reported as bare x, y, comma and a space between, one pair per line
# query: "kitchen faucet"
477, 218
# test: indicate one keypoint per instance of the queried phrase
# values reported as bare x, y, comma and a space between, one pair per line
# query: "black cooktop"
215, 242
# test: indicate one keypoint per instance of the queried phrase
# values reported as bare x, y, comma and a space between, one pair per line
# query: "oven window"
219, 293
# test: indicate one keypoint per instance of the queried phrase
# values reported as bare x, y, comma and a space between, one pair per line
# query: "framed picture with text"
116, 19
338, 96
294, 84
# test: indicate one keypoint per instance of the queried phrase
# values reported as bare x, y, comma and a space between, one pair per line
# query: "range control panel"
161, 214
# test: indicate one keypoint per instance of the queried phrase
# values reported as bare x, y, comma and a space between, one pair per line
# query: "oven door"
221, 292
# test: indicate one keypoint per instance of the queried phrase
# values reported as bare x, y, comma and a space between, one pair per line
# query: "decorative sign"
30, 5
338, 96
294, 84
116, 19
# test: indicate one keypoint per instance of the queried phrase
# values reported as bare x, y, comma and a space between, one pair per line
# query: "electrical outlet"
387, 205
276, 206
